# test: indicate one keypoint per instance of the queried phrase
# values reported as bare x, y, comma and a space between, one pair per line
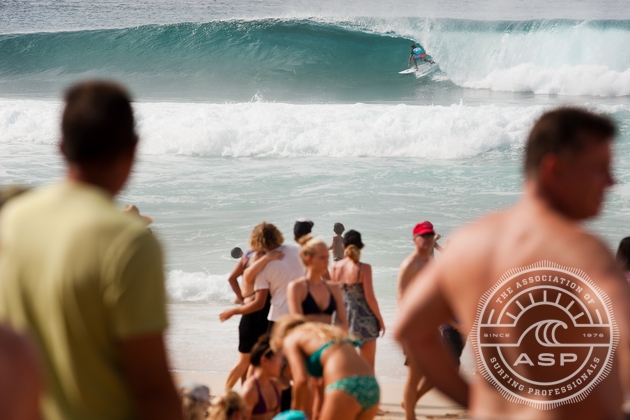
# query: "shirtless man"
424, 240
570, 372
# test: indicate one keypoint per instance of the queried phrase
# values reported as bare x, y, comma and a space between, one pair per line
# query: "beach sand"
434, 405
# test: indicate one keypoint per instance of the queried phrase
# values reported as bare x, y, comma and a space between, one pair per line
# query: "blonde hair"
226, 405
353, 252
265, 236
309, 246
289, 323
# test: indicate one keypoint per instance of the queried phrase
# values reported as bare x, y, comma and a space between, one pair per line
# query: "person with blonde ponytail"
311, 296
364, 317
324, 351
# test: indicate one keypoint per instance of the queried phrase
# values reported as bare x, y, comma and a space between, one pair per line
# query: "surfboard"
423, 70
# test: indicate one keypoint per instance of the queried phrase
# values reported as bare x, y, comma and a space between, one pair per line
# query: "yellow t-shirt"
80, 276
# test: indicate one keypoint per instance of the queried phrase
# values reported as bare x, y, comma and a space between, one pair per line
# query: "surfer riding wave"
418, 53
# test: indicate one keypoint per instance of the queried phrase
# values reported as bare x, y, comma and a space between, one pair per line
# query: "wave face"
307, 60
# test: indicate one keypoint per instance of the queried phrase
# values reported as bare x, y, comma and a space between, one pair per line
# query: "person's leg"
318, 397
415, 63
238, 371
410, 392
368, 414
425, 386
341, 405
368, 351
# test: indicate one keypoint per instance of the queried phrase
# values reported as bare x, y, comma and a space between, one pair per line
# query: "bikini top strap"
257, 385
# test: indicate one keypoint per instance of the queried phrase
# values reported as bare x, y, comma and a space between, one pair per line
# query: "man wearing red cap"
546, 307
424, 238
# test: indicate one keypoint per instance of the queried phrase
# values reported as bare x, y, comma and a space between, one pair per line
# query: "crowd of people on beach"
83, 301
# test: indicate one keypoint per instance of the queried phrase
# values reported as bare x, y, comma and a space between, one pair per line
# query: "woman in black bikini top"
310, 296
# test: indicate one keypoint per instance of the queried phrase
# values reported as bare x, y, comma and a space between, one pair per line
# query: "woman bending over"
324, 351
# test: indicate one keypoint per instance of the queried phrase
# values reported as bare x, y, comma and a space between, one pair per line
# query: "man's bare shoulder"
477, 236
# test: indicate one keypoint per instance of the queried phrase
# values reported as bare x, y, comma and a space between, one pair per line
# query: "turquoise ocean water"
252, 111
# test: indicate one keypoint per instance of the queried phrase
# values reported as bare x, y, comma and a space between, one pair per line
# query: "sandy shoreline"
434, 405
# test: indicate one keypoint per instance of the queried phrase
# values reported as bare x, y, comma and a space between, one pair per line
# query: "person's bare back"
538, 294
522, 237
337, 247
408, 269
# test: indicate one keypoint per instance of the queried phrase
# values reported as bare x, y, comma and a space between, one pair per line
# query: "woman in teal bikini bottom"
324, 351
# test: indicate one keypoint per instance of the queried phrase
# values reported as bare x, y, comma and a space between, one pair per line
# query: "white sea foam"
566, 80
183, 286
284, 130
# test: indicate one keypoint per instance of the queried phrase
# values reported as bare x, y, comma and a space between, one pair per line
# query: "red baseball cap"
423, 228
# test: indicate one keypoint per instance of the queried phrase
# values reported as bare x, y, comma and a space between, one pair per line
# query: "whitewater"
280, 111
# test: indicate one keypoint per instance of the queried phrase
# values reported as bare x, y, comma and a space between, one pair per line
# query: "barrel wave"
312, 60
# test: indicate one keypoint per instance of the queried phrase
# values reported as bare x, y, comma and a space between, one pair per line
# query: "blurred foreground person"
623, 256
87, 281
324, 351
229, 406
20, 380
544, 302
195, 400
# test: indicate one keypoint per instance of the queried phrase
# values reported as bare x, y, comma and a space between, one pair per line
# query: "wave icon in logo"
544, 335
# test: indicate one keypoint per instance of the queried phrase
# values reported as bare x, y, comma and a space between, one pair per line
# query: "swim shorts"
251, 327
452, 341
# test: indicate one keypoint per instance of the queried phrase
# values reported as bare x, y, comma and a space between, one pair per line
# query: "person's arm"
21, 384
134, 295
238, 271
255, 305
423, 309
402, 280
342, 317
145, 365
296, 293
257, 266
301, 391
250, 396
436, 245
370, 297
